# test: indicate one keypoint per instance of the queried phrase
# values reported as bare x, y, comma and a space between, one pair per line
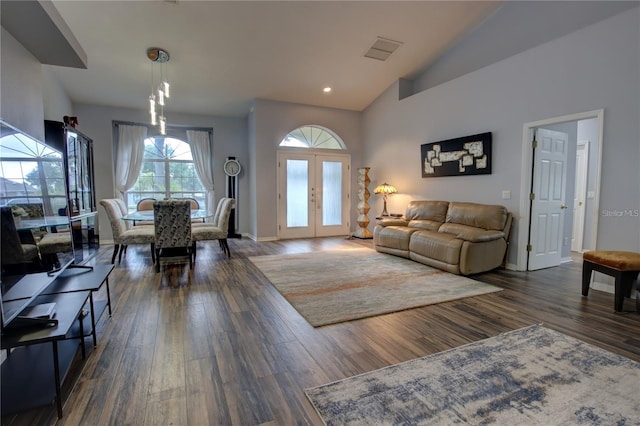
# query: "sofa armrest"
392, 221
470, 233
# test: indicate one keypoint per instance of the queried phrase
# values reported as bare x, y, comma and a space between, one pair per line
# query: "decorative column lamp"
385, 189
363, 204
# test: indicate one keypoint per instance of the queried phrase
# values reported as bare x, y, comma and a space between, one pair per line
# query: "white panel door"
548, 205
313, 195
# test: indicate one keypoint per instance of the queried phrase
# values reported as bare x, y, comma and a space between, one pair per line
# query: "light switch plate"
506, 195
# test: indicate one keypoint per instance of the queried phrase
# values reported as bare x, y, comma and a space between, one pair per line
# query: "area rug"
530, 376
332, 286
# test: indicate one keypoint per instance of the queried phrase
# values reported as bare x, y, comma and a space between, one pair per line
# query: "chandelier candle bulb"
165, 85
160, 97
163, 125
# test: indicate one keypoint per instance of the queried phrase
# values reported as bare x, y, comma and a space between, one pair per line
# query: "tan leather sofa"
461, 238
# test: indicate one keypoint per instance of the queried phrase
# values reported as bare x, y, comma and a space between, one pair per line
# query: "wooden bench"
624, 266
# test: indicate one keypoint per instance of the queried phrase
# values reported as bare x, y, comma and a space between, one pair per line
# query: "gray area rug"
530, 376
332, 286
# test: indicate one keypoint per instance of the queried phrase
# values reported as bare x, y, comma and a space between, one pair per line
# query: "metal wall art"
469, 155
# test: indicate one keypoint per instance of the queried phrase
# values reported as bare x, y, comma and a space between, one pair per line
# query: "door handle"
564, 206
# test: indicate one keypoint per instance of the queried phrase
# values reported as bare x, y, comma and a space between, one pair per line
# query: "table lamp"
385, 189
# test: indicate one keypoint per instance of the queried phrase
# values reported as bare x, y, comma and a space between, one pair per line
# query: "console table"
79, 279
28, 379
34, 370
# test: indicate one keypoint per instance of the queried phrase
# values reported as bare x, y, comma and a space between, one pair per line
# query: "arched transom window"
313, 137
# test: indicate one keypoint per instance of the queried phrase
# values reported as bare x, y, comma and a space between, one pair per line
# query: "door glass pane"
331, 193
297, 193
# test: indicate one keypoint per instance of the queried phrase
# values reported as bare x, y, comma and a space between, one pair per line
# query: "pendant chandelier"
159, 88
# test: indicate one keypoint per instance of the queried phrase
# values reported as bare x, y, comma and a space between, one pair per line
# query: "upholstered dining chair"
122, 236
218, 229
124, 210
172, 224
15, 254
145, 204
34, 211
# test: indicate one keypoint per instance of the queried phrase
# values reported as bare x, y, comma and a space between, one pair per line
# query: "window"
167, 172
312, 137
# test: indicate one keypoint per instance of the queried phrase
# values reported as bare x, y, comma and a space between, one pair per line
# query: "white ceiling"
226, 53
223, 54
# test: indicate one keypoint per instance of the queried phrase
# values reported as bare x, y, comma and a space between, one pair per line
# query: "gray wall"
596, 67
21, 102
270, 122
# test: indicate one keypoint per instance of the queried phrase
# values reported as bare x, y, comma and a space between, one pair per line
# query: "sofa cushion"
429, 225
436, 245
396, 237
470, 233
427, 210
393, 221
477, 215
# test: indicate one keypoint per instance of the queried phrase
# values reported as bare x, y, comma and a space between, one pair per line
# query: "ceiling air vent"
382, 48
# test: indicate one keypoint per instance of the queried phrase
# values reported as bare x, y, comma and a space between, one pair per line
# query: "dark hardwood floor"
220, 346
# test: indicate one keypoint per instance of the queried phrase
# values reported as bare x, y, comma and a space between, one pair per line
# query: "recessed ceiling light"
327, 89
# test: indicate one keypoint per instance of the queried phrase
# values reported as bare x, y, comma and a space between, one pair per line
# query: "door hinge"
534, 144
532, 196
529, 247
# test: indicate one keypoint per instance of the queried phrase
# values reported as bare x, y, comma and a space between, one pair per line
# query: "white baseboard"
263, 239
511, 267
609, 288
606, 287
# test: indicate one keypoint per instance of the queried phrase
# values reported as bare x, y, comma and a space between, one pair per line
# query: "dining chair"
122, 236
172, 225
218, 229
195, 205
34, 211
145, 204
14, 251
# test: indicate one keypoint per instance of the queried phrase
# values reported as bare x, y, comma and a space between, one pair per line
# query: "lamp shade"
385, 189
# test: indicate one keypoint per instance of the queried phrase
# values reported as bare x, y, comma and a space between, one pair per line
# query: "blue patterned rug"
530, 376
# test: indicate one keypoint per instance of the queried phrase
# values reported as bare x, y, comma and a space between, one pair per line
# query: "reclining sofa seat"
461, 238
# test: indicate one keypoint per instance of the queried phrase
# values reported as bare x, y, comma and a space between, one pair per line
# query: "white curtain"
203, 161
129, 156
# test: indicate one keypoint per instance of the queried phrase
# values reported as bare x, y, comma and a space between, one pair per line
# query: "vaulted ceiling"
225, 53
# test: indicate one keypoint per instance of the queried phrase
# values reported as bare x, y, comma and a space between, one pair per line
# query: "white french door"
313, 195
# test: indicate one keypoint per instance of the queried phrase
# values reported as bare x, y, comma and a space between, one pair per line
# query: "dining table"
147, 215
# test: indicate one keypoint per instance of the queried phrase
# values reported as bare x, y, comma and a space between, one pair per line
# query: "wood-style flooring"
220, 346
